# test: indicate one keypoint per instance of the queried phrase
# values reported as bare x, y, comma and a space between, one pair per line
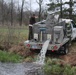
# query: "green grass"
9, 57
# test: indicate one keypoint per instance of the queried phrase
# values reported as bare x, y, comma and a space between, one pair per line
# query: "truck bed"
38, 45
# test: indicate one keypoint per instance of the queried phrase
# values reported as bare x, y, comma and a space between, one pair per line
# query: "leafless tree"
30, 7
71, 10
21, 15
2, 9
12, 12
40, 2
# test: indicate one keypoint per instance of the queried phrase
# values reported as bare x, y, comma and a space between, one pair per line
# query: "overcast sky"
34, 4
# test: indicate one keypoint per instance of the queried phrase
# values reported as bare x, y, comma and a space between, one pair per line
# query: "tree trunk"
21, 17
40, 13
70, 10
2, 9
11, 12
61, 14
40, 8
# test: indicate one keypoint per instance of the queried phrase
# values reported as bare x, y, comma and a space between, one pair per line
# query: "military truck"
60, 32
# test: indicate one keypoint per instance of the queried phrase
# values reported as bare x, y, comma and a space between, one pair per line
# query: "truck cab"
73, 30
73, 27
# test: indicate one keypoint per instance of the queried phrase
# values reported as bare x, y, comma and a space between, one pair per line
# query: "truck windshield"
73, 23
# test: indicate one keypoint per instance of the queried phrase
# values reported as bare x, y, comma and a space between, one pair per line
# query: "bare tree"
40, 2
30, 7
71, 10
18, 13
21, 15
12, 12
2, 9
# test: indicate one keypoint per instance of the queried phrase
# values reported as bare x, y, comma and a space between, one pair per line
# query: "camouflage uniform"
32, 21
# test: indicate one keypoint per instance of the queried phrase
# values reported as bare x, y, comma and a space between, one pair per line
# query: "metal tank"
47, 29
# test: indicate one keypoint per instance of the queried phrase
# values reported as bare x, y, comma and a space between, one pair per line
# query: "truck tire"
64, 49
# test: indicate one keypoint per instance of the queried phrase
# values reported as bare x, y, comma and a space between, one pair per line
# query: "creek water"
19, 69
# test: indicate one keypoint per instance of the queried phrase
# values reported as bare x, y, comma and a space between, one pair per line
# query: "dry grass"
70, 58
13, 34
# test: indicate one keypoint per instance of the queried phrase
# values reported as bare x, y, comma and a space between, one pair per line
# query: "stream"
20, 69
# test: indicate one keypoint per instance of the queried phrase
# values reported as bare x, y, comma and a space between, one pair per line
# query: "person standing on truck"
31, 22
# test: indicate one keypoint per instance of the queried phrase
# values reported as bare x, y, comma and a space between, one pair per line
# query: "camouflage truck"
60, 32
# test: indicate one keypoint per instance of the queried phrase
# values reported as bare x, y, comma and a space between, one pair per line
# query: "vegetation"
13, 35
28, 59
18, 12
9, 57
64, 11
52, 67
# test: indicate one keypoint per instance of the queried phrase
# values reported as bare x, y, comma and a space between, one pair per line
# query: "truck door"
73, 29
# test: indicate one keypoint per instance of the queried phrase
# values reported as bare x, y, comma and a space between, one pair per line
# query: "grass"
52, 67
9, 57
13, 34
28, 59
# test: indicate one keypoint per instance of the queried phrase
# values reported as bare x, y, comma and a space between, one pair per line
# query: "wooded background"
18, 13
14, 16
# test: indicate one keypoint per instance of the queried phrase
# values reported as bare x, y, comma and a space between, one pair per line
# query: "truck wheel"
74, 40
64, 49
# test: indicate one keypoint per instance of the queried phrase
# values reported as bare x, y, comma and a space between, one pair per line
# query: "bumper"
38, 45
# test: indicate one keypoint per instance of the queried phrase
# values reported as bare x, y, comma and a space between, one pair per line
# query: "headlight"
48, 36
35, 36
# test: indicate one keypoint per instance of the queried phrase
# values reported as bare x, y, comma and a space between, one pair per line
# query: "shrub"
47, 69
52, 67
68, 70
48, 61
28, 59
56, 70
73, 70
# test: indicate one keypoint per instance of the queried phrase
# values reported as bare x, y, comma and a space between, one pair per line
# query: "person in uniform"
31, 22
